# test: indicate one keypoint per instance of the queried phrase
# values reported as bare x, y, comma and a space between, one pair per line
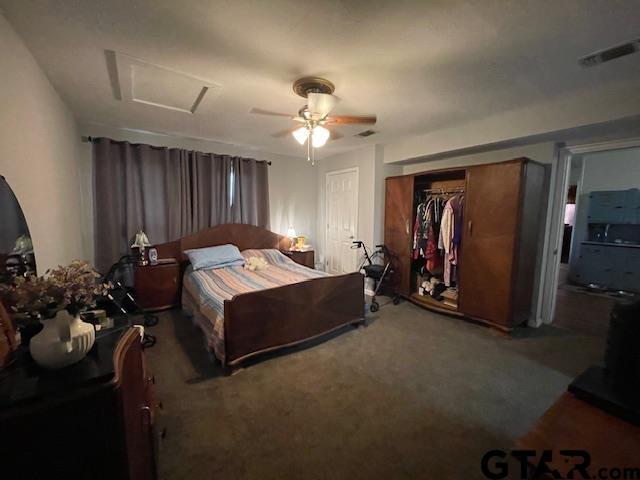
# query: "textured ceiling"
419, 65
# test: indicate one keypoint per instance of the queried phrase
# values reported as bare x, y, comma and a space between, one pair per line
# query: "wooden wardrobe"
503, 212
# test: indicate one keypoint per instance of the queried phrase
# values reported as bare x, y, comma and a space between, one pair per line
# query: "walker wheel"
374, 306
396, 299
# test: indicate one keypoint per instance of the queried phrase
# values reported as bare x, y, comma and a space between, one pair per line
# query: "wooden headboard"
241, 235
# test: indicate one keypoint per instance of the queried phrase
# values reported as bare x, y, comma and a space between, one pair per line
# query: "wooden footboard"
264, 320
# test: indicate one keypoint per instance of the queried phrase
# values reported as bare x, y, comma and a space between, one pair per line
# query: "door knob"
351, 237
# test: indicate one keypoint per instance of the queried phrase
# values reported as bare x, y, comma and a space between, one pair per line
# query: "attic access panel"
160, 86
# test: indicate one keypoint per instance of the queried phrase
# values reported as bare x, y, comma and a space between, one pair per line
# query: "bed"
243, 314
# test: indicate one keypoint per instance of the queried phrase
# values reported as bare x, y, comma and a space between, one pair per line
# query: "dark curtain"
169, 193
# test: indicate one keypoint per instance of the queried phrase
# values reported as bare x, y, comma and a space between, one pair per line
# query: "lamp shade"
291, 233
319, 136
301, 135
140, 240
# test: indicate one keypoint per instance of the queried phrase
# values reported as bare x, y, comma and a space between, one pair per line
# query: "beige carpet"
413, 395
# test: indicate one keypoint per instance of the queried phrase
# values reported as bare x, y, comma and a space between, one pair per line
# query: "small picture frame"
153, 256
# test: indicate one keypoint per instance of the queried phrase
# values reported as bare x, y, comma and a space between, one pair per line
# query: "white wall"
40, 154
540, 152
610, 170
571, 111
372, 172
292, 181
364, 160
382, 171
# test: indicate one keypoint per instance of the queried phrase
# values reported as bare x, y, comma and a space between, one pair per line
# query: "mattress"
204, 291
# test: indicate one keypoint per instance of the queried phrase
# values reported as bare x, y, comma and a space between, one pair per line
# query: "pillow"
215, 257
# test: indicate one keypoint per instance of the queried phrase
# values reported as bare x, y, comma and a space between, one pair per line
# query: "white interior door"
342, 220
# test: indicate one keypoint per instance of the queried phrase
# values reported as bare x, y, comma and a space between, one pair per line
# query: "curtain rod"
89, 139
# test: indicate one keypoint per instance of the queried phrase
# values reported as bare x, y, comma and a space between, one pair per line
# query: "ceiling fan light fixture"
319, 136
301, 134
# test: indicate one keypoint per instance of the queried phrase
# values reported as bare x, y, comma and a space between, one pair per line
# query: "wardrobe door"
491, 216
398, 209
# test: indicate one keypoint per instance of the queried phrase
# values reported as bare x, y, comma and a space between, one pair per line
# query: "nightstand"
157, 287
303, 257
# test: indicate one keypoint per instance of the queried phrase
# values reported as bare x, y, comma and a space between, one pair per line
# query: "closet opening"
438, 209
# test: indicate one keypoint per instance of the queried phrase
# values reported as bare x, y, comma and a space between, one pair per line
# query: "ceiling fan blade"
351, 119
284, 133
260, 111
321, 103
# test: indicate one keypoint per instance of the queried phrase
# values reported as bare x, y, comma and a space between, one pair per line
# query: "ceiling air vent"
610, 54
366, 133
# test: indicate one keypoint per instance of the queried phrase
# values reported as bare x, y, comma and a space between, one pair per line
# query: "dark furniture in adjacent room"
305, 257
157, 287
92, 420
503, 206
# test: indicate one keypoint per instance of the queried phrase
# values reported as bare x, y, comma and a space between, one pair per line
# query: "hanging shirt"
458, 211
431, 251
450, 234
419, 232
445, 241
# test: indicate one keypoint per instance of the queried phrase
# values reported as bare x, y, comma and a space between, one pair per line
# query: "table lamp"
141, 242
291, 235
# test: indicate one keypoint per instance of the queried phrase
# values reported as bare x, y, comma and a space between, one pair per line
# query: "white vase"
63, 341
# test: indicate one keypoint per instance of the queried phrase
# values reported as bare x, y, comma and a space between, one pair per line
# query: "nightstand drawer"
305, 258
157, 287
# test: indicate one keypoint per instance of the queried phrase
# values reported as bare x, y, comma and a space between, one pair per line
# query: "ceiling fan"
315, 124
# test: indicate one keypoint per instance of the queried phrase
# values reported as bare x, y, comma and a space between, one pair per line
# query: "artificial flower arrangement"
74, 288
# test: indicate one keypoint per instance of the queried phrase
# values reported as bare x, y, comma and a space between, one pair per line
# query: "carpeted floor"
413, 395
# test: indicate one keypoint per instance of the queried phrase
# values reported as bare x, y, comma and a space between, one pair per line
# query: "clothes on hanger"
450, 235
420, 231
426, 231
436, 235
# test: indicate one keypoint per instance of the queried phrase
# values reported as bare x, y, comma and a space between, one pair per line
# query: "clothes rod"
88, 139
443, 190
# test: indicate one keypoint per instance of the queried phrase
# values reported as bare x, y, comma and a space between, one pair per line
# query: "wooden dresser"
92, 420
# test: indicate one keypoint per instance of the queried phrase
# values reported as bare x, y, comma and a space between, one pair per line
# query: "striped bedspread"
204, 291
